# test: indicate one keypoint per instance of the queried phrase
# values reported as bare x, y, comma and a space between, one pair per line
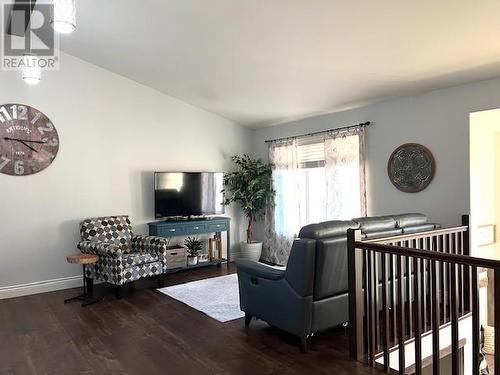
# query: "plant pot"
192, 261
251, 250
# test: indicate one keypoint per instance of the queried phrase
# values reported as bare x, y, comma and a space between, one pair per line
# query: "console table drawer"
171, 232
217, 227
195, 228
176, 258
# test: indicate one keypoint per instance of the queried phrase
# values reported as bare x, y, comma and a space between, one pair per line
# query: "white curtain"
283, 215
316, 179
345, 174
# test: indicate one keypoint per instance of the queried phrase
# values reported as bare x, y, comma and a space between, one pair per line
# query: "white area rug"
217, 297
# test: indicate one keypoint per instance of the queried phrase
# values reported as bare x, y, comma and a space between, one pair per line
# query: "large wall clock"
28, 140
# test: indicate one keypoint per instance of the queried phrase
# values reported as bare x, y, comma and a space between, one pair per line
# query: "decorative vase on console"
250, 185
194, 246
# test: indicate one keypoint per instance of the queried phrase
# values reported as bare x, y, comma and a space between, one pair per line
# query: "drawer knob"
172, 230
196, 228
173, 253
218, 225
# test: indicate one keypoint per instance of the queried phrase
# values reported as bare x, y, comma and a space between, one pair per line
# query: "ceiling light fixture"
32, 73
64, 16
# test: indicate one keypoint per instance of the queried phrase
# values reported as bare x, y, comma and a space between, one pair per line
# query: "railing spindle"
425, 287
458, 250
454, 320
393, 297
375, 330
416, 315
401, 340
366, 280
385, 314
442, 270
446, 282
467, 271
448, 251
370, 317
430, 274
435, 317
408, 299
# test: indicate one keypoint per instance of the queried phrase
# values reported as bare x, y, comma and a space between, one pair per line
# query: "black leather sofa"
311, 294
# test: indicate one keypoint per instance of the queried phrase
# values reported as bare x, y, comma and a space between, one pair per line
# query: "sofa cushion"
419, 228
327, 229
410, 220
375, 223
383, 233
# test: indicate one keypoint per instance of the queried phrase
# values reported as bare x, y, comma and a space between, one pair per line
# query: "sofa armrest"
149, 244
100, 248
261, 270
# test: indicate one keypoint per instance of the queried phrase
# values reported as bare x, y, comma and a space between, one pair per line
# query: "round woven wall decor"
411, 167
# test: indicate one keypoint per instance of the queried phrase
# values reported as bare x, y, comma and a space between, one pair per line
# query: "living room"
340, 111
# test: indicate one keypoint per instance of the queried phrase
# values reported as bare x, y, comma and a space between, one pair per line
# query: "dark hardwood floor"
150, 333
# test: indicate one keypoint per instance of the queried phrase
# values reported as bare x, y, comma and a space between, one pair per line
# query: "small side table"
84, 260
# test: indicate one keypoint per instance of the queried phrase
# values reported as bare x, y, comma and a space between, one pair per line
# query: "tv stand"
176, 219
185, 227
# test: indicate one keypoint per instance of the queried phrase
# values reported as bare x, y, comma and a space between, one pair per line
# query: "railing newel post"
355, 285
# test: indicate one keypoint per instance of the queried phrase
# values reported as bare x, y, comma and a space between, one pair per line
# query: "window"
317, 179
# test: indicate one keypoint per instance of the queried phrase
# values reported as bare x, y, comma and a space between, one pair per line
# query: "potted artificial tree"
193, 245
250, 185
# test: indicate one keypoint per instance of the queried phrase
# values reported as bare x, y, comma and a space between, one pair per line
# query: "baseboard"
40, 287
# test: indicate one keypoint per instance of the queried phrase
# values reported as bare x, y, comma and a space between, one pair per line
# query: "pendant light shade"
32, 73
64, 16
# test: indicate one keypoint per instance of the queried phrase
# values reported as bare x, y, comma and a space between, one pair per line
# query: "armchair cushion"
100, 248
257, 269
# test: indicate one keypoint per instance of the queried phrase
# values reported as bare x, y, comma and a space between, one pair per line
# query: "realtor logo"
28, 37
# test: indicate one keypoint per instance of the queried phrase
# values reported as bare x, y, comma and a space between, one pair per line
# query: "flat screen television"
188, 194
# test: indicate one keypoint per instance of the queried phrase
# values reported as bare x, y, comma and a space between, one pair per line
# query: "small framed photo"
486, 235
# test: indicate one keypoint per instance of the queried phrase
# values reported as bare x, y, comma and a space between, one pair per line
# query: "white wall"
114, 133
483, 179
438, 120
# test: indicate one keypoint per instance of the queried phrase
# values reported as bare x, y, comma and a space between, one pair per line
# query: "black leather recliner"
311, 294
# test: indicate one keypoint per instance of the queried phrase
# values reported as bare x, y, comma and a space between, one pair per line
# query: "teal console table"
192, 227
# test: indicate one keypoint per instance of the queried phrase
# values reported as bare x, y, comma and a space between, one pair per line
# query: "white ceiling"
261, 62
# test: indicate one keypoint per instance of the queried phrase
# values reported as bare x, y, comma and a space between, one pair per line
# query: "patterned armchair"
123, 257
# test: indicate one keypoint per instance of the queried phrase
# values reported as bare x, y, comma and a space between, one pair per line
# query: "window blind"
311, 152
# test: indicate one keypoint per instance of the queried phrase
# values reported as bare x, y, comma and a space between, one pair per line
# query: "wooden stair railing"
439, 286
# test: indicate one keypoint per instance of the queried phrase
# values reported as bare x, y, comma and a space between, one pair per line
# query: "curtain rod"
363, 124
